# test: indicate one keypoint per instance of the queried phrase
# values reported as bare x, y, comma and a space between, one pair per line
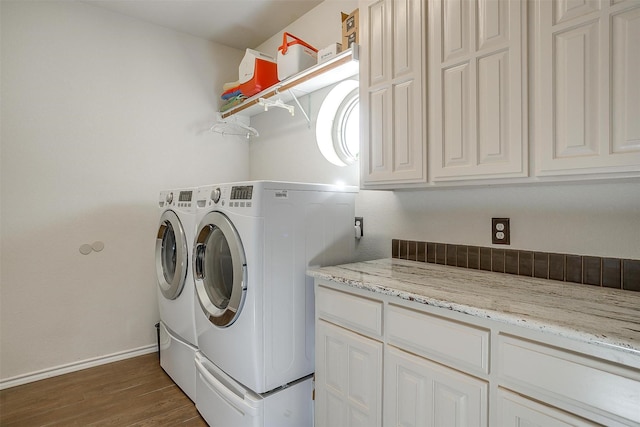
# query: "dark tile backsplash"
606, 272
557, 264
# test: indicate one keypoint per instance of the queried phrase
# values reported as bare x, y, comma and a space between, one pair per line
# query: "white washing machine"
254, 310
176, 294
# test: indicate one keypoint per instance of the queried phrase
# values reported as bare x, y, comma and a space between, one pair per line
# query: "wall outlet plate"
359, 222
500, 231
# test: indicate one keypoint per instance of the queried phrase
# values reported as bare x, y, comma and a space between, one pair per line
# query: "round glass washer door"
219, 269
171, 255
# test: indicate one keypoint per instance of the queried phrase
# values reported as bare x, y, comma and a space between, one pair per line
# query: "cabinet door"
587, 86
392, 93
421, 393
478, 89
348, 378
517, 411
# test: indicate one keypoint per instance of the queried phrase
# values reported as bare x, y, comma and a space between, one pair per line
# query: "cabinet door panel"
422, 393
493, 24
493, 108
577, 103
392, 93
407, 129
587, 90
379, 156
456, 97
625, 102
477, 118
402, 38
348, 378
566, 10
455, 35
377, 44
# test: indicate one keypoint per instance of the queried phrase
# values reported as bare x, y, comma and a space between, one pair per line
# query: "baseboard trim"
75, 366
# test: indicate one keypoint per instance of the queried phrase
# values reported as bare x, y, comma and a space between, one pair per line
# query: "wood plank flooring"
132, 392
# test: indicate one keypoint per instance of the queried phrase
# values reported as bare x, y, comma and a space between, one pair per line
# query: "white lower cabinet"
517, 411
570, 379
421, 393
348, 378
385, 361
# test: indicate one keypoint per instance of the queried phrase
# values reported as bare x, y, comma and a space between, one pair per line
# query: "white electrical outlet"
500, 231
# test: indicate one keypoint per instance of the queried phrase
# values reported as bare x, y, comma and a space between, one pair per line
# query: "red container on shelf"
264, 76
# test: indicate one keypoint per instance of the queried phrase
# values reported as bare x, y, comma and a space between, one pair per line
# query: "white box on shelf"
329, 52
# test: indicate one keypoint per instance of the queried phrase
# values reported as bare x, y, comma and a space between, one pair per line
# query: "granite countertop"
602, 316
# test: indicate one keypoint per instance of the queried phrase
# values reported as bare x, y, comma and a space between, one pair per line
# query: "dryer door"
171, 255
219, 269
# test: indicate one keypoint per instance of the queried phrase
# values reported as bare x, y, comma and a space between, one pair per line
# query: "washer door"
171, 255
219, 269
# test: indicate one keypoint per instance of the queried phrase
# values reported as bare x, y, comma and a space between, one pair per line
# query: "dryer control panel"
243, 192
241, 196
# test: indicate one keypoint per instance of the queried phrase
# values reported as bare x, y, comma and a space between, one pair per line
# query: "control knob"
215, 195
169, 198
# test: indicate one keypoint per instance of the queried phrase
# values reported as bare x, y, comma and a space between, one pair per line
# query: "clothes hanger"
233, 125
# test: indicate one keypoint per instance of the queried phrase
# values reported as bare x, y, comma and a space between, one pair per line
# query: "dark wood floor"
132, 392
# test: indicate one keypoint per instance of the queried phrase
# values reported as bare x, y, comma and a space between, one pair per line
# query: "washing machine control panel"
185, 196
182, 200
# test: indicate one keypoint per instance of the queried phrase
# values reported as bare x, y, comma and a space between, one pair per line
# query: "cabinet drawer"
551, 374
354, 312
515, 410
447, 341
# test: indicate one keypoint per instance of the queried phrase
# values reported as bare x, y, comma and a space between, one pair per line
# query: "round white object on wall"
97, 246
338, 124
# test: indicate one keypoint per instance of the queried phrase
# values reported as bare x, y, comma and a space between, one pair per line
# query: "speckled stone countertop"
602, 316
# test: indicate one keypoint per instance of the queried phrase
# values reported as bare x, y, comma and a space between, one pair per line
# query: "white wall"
601, 219
99, 113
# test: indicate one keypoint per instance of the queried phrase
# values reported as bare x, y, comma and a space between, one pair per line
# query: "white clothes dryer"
175, 293
253, 244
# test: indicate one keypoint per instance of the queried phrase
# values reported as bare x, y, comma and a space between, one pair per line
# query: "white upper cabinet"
444, 91
587, 86
477, 75
392, 92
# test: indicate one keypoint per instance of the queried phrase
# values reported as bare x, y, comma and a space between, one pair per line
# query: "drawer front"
515, 410
548, 372
351, 311
446, 341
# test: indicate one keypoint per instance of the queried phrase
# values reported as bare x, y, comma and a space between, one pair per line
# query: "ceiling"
235, 23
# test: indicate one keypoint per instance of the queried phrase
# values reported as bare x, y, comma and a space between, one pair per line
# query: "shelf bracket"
266, 103
304, 113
